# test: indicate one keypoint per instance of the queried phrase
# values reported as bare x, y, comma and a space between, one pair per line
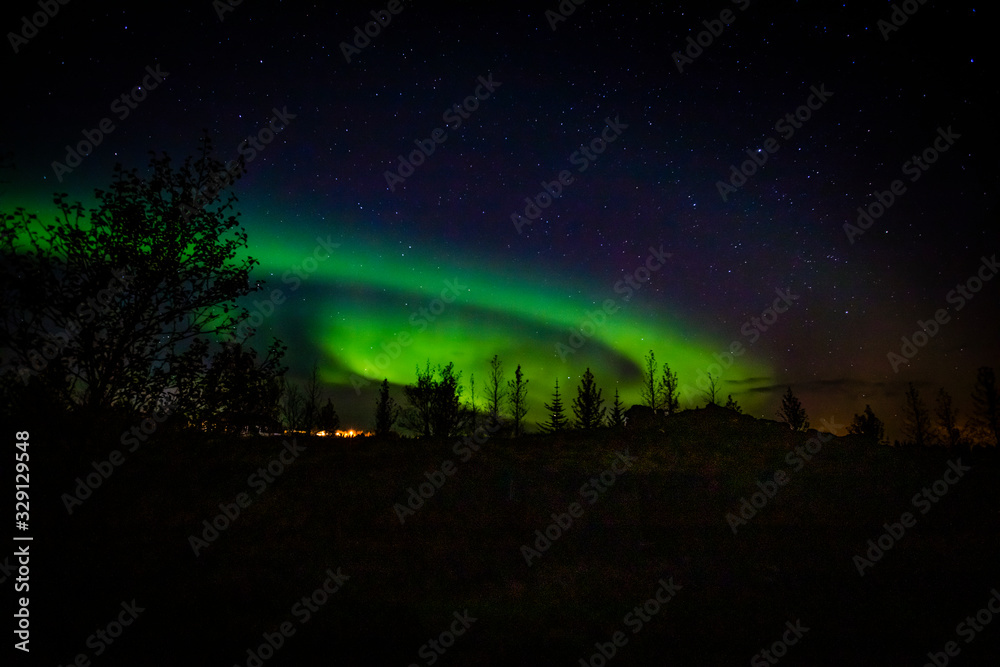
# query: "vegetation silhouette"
917, 420
616, 416
386, 410
128, 307
986, 406
792, 412
557, 417
517, 398
131, 308
488, 496
588, 404
869, 427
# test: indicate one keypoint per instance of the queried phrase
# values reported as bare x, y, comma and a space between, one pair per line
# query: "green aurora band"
374, 312
388, 314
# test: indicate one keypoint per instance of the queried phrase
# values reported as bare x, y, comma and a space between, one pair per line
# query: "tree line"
434, 407
174, 340
923, 427
942, 424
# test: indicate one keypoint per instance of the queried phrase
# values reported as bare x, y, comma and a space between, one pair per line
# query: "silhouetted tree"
916, 418
473, 412
792, 412
114, 296
495, 391
418, 415
669, 392
235, 391
733, 405
650, 390
616, 417
986, 406
435, 404
557, 416
588, 404
386, 410
947, 416
311, 400
711, 392
868, 426
329, 420
517, 397
448, 416
292, 406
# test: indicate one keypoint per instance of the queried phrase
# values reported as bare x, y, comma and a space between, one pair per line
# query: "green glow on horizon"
375, 304
517, 311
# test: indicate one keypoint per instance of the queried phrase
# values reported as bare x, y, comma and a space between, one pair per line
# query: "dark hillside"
663, 517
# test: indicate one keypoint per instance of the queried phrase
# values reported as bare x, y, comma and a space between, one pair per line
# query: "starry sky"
577, 199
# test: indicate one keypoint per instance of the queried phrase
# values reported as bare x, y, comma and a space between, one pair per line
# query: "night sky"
648, 243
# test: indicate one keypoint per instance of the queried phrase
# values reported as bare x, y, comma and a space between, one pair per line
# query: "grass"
665, 517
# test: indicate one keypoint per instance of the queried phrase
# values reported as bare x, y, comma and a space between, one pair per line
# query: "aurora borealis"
414, 310
568, 215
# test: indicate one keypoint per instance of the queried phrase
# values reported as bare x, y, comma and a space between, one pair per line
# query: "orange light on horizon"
350, 433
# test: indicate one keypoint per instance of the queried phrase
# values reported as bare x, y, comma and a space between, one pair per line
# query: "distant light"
351, 433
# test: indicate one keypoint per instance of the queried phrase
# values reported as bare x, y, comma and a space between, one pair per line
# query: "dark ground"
665, 517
